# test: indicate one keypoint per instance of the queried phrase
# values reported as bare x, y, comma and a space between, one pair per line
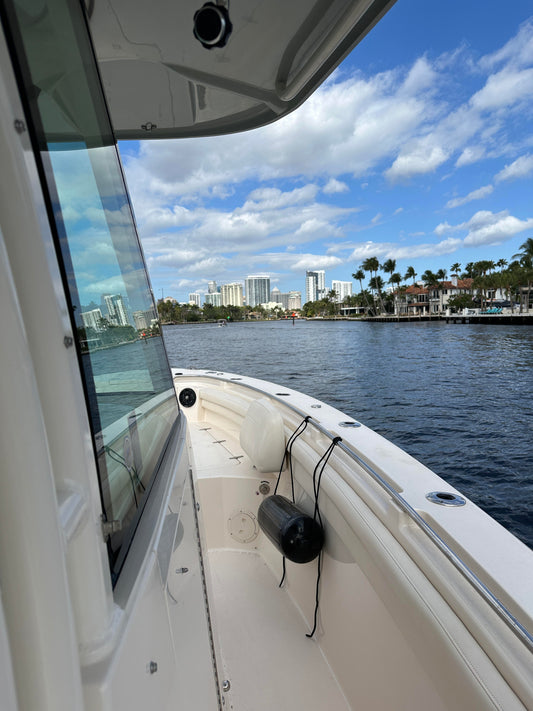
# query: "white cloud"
421, 77
315, 261
335, 186
520, 168
518, 51
471, 154
388, 250
364, 250
504, 89
263, 199
487, 228
421, 159
442, 228
474, 195
163, 218
447, 246
494, 228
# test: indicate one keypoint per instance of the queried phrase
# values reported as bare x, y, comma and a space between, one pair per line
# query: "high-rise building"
116, 310
231, 294
294, 301
276, 295
195, 299
321, 283
144, 319
311, 286
92, 319
342, 289
315, 285
289, 300
257, 289
214, 298
211, 287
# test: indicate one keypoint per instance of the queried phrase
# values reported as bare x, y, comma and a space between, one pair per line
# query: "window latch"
110, 527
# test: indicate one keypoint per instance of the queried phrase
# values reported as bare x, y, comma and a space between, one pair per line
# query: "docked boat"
186, 539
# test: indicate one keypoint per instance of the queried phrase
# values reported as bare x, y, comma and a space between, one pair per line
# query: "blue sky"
418, 148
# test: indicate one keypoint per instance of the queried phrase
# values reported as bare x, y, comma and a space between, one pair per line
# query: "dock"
502, 319
493, 319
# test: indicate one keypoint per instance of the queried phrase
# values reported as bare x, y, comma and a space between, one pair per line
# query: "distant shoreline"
494, 319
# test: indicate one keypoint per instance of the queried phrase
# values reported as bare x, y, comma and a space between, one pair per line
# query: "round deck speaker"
187, 397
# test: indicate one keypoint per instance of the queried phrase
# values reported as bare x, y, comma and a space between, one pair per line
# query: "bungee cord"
317, 479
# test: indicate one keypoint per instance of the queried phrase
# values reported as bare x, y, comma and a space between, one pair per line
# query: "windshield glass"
128, 385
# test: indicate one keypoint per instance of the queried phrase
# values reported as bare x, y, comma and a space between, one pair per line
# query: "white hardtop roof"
161, 82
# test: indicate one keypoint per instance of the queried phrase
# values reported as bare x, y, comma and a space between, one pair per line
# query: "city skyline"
252, 291
419, 150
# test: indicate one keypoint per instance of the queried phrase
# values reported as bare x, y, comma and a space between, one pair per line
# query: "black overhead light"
212, 25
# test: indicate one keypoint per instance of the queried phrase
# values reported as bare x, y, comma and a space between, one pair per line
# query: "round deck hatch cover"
243, 527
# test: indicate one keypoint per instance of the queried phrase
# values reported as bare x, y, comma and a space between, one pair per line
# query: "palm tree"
526, 250
525, 256
480, 277
389, 266
371, 264
469, 270
410, 274
441, 276
430, 281
377, 283
359, 275
395, 280
501, 264
332, 297
455, 268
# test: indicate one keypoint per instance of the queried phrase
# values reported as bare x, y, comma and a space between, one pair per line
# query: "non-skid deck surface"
266, 656
214, 452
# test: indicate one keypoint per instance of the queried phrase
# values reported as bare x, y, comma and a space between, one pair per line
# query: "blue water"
458, 397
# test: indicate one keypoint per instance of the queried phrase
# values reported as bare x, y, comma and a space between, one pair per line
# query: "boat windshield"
127, 380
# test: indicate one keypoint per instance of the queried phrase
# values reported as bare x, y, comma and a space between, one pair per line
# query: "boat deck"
399, 627
265, 655
259, 631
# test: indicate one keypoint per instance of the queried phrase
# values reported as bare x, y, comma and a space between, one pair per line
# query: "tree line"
172, 312
514, 279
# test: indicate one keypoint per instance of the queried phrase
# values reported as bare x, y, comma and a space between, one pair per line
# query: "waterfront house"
411, 301
418, 300
440, 294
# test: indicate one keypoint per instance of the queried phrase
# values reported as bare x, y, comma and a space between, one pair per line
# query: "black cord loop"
321, 465
317, 479
288, 452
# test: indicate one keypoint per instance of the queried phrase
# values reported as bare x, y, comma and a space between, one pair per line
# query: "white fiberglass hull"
404, 622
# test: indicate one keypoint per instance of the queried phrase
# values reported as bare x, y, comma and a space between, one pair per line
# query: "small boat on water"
178, 539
